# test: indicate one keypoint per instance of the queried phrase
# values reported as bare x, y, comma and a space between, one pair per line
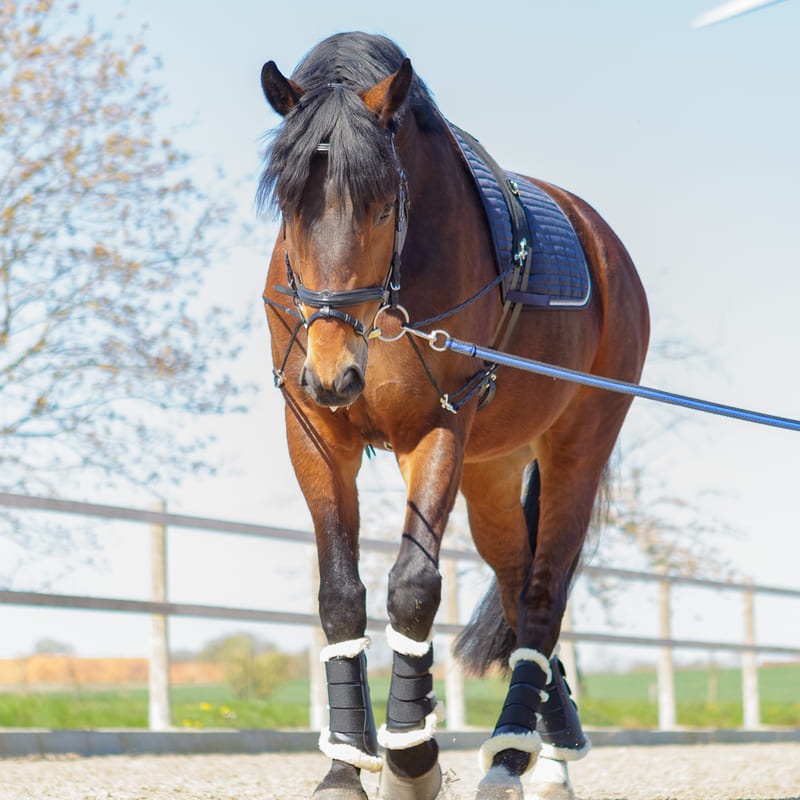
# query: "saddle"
527, 225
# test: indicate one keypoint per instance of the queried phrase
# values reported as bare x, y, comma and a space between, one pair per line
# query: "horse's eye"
386, 212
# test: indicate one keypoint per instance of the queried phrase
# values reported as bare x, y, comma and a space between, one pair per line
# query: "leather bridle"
329, 302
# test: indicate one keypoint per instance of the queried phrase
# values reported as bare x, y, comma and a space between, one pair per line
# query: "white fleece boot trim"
529, 742
403, 740
349, 649
348, 753
527, 654
405, 646
565, 753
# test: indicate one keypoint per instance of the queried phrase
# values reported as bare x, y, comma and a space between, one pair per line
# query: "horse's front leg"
326, 461
432, 474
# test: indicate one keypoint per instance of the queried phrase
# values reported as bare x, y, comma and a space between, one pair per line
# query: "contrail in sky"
734, 8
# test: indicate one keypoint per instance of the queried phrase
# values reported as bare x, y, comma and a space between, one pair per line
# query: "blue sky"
684, 140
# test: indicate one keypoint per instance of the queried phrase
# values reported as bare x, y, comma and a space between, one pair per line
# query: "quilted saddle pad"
559, 276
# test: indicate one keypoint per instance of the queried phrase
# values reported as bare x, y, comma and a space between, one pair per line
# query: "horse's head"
334, 173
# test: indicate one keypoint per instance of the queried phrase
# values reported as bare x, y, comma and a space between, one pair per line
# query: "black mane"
360, 159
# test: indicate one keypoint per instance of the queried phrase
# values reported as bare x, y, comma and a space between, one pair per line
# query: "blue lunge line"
529, 365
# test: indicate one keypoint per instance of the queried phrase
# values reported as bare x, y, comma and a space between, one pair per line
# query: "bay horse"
364, 170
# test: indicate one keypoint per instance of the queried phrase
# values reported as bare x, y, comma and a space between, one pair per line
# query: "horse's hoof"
339, 793
500, 784
396, 787
549, 780
341, 783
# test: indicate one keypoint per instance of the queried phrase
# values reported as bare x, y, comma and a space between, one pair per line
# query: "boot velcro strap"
347, 722
343, 670
408, 713
410, 689
346, 695
530, 673
515, 719
406, 666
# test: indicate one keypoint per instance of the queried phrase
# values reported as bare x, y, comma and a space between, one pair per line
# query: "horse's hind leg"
571, 458
498, 525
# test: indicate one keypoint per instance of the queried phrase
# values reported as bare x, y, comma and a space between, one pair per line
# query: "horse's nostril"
350, 383
342, 392
305, 382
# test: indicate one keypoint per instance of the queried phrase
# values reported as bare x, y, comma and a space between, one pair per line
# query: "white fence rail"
160, 608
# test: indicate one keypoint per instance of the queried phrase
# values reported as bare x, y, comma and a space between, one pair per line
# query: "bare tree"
105, 340
108, 345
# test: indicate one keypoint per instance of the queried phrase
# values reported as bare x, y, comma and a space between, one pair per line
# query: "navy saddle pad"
559, 276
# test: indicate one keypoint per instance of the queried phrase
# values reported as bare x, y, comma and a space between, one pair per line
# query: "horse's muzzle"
343, 390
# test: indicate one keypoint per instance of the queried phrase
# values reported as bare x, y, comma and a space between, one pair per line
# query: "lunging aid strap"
351, 736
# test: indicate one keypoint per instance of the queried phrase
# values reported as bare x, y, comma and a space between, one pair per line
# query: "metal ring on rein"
377, 333
405, 327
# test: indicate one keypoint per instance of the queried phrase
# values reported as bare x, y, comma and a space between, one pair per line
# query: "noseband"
330, 302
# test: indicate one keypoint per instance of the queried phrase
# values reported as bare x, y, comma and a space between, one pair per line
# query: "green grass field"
608, 700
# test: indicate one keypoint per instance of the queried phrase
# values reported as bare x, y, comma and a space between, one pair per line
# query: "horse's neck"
432, 158
446, 213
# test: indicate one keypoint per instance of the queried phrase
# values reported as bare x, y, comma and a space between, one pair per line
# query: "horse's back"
611, 267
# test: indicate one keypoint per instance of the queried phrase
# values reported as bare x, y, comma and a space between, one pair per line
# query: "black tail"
487, 638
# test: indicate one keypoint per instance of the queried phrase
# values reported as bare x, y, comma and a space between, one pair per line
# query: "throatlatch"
351, 736
516, 726
411, 710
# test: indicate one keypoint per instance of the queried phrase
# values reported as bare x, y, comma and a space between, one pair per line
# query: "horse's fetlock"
414, 761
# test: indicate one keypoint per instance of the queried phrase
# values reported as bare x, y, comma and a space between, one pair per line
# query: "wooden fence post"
318, 710
751, 705
667, 717
318, 685
159, 707
453, 671
566, 652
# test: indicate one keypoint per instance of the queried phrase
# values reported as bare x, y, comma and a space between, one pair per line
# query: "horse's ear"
281, 93
385, 98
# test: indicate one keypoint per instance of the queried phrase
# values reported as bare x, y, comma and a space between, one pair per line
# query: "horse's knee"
415, 589
342, 608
